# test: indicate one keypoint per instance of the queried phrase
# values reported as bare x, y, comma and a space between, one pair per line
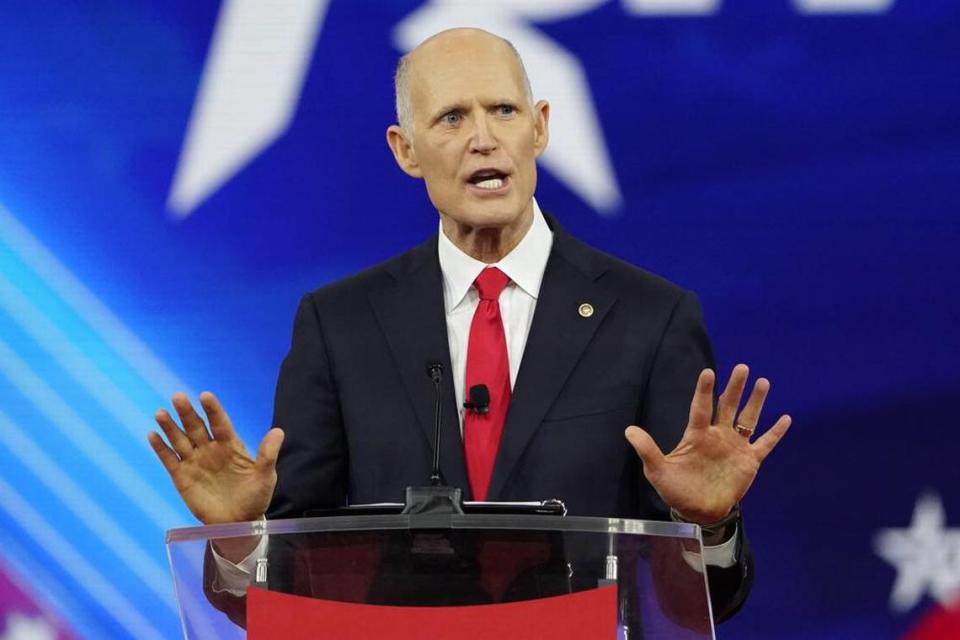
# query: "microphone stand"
436, 499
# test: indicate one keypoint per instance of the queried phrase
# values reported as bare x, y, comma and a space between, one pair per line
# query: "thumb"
646, 448
269, 448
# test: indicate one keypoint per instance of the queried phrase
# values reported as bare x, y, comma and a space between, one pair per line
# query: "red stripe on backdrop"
940, 623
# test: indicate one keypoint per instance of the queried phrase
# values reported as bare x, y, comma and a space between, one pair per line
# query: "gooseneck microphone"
479, 400
436, 500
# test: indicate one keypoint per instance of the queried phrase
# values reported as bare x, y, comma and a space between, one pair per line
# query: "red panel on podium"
588, 614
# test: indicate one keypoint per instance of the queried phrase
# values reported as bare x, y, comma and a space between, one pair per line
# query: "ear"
403, 152
541, 127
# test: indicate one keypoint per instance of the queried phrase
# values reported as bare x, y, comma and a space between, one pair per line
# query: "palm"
221, 483
215, 476
712, 468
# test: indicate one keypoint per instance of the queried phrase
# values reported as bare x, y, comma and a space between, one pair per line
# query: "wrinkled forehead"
451, 73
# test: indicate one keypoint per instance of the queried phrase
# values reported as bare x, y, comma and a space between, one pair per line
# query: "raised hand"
212, 471
712, 468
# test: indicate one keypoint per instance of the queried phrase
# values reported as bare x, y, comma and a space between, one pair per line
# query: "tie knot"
490, 283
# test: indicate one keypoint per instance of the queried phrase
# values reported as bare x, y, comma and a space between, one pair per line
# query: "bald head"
459, 41
469, 129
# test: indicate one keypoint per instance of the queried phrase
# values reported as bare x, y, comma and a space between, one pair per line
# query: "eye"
451, 118
506, 109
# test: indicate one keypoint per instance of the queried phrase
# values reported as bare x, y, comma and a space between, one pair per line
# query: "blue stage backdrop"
174, 175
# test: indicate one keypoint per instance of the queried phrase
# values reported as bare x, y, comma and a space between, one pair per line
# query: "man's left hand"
712, 468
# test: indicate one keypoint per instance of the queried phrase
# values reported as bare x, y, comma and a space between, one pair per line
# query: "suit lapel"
558, 337
412, 317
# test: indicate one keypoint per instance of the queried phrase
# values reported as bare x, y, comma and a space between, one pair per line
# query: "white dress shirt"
524, 266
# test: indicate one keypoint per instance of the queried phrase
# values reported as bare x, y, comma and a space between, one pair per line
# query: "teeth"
493, 183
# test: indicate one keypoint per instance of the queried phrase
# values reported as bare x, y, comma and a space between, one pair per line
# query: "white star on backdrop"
261, 52
926, 556
21, 627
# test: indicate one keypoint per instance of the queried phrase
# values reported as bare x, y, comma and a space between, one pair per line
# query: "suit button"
585, 310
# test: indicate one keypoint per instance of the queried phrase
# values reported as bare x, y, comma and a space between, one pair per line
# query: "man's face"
475, 135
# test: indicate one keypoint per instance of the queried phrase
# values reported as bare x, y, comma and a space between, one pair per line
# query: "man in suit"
573, 345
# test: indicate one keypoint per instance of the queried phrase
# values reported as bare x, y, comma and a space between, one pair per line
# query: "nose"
483, 140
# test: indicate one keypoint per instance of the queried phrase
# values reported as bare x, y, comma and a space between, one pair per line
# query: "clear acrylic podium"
523, 576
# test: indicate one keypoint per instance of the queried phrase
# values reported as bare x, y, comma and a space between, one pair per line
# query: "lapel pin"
585, 310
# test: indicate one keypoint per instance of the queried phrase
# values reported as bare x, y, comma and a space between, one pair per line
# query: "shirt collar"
524, 265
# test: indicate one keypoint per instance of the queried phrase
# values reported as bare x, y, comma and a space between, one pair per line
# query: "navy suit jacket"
357, 405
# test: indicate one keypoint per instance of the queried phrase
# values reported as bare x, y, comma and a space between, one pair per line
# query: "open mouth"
489, 179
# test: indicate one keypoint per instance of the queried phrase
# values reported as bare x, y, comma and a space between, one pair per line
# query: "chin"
491, 214
489, 220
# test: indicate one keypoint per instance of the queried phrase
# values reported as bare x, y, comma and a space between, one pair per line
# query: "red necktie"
487, 364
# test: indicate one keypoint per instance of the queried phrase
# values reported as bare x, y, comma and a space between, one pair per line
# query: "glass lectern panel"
391, 565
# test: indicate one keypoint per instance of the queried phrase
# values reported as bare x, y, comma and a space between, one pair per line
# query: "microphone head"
435, 371
480, 398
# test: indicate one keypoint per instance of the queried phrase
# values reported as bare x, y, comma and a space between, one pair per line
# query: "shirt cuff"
235, 578
723, 555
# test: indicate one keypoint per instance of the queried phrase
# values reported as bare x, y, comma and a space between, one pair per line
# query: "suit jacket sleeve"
683, 353
312, 467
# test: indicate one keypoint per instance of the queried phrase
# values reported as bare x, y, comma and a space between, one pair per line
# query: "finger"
269, 448
647, 449
750, 416
701, 407
765, 443
220, 424
729, 400
168, 458
178, 439
193, 424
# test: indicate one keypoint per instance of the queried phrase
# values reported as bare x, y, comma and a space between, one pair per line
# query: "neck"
487, 244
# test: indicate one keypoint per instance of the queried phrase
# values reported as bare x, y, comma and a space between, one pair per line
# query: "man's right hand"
212, 470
